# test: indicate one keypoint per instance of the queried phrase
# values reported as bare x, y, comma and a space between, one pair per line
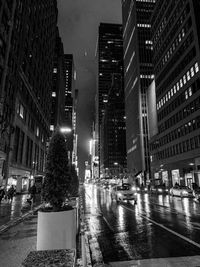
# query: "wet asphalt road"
158, 226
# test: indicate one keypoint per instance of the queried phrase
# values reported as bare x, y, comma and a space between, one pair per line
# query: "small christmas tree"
57, 179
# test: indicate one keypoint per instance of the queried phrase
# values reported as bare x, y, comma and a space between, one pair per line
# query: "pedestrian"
2, 194
11, 192
32, 192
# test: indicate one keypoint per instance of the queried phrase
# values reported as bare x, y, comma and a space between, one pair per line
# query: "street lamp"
65, 130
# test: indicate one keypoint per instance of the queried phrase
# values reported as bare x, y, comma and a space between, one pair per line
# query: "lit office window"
196, 67
192, 71
188, 75
37, 131
184, 79
190, 91
21, 111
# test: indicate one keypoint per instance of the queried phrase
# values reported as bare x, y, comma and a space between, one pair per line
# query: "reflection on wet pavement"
126, 231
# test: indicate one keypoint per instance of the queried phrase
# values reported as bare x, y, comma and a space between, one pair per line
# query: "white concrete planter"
56, 230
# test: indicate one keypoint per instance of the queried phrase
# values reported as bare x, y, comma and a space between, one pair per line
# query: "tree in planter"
57, 179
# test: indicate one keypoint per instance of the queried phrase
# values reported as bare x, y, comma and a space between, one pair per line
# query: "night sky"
78, 22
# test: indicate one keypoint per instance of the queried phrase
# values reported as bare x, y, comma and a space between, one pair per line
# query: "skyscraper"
114, 129
138, 74
69, 93
175, 150
58, 86
110, 64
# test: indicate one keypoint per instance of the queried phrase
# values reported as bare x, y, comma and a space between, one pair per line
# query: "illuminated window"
54, 70
177, 86
190, 91
186, 94
196, 67
51, 127
184, 79
21, 111
37, 131
53, 94
188, 75
181, 83
192, 71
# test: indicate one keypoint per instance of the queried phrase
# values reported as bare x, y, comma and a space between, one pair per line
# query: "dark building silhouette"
175, 150
138, 74
58, 89
110, 63
114, 129
26, 84
69, 95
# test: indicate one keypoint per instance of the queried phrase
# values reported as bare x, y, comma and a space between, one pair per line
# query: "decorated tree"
57, 179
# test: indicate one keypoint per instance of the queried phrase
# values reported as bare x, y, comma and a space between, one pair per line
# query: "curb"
17, 220
88, 255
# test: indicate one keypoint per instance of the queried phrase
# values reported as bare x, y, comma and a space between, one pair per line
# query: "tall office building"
70, 77
114, 129
176, 40
138, 74
75, 133
110, 63
26, 83
58, 86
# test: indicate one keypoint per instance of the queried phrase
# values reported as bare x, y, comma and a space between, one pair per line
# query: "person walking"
2, 194
32, 192
10, 193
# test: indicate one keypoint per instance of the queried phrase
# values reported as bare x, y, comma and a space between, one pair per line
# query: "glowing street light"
65, 130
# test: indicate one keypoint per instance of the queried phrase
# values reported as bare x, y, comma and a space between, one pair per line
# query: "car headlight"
135, 194
184, 192
145, 189
138, 189
159, 190
120, 194
133, 188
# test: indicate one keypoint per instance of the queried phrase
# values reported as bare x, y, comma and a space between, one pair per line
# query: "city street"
158, 226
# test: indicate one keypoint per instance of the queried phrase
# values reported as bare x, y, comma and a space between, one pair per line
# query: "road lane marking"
167, 229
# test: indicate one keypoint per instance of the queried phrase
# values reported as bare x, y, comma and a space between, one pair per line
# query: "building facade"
114, 129
26, 82
175, 150
58, 88
138, 74
110, 63
69, 101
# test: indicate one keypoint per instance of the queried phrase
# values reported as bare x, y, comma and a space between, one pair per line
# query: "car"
181, 191
158, 189
124, 192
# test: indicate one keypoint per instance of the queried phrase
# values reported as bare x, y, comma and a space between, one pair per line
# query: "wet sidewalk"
18, 232
17, 241
10, 211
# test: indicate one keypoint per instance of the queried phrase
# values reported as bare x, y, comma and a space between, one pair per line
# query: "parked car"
158, 189
124, 192
181, 191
